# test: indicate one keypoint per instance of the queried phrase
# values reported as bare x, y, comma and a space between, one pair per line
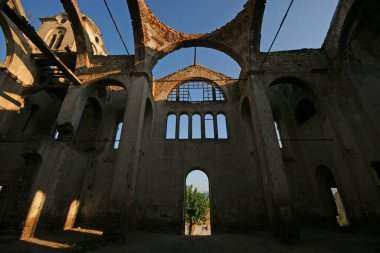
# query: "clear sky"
305, 27
198, 179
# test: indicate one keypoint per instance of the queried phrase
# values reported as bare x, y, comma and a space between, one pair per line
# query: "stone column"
128, 155
272, 167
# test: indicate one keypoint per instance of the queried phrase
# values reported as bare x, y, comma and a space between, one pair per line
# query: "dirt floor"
313, 241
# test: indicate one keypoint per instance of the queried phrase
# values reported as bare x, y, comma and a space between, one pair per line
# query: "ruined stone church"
93, 143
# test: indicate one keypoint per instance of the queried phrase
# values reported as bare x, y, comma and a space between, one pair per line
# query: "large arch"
75, 101
232, 39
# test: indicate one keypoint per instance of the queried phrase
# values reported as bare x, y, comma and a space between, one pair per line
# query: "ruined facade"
63, 99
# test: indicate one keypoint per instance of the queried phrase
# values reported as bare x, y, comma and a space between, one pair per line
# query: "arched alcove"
87, 131
197, 204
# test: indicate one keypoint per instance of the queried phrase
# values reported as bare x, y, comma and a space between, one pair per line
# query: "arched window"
305, 110
184, 126
171, 126
196, 92
209, 126
52, 40
196, 126
55, 38
222, 126
59, 41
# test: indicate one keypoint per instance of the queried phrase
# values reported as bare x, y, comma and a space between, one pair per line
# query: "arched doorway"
197, 204
330, 196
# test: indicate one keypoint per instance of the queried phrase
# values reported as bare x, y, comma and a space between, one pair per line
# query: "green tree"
196, 207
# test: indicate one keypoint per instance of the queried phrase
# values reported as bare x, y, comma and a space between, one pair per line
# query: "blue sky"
199, 180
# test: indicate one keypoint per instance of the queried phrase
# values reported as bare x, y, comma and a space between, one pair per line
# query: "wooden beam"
29, 31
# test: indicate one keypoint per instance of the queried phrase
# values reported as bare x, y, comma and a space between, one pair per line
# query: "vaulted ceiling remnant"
154, 39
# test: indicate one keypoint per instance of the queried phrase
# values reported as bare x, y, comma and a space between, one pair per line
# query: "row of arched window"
194, 127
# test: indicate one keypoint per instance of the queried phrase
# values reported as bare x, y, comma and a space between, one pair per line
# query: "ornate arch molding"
158, 39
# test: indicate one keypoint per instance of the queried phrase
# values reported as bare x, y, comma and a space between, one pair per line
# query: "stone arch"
198, 43
9, 40
75, 101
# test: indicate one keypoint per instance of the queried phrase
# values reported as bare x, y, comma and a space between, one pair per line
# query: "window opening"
171, 127
209, 126
184, 126
278, 134
196, 127
117, 136
197, 204
59, 41
196, 92
56, 135
222, 126
52, 41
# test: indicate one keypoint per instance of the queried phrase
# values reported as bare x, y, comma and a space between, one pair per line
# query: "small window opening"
278, 134
209, 126
184, 126
304, 111
56, 135
196, 127
376, 168
59, 42
196, 92
197, 204
222, 126
117, 136
52, 41
171, 127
